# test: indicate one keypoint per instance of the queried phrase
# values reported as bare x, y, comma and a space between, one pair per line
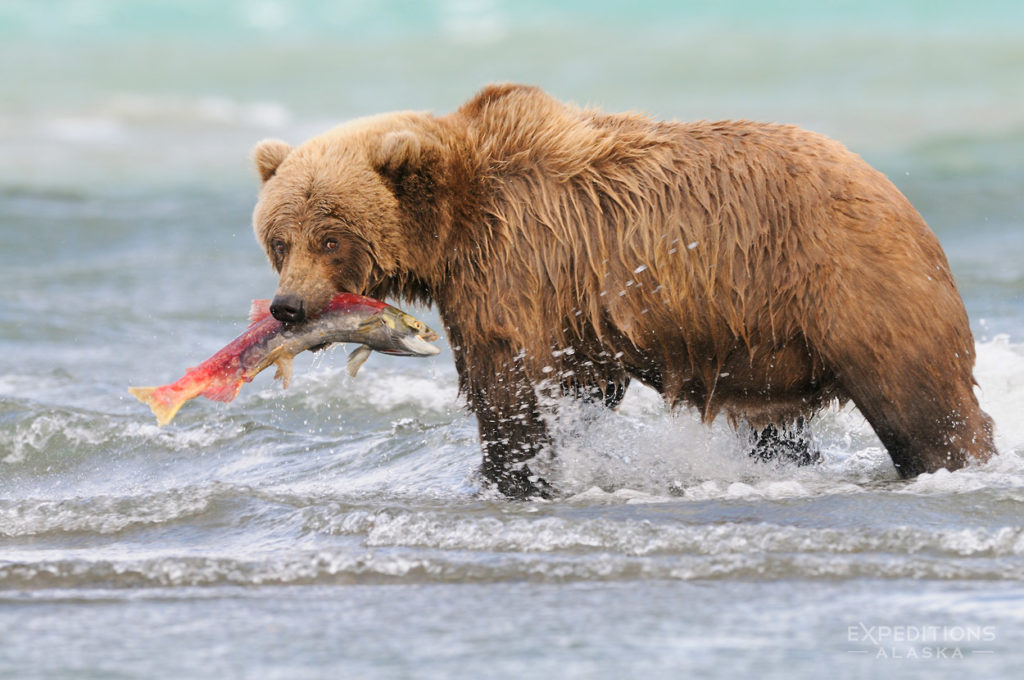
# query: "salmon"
375, 325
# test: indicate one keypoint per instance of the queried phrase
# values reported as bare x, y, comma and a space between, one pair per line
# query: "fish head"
409, 335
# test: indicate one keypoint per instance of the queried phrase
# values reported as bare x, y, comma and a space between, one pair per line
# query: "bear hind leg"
609, 392
920, 402
790, 442
924, 427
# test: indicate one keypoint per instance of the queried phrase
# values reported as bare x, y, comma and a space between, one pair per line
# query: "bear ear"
268, 156
399, 154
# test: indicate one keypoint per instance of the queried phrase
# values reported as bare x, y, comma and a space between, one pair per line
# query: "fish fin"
162, 409
258, 311
226, 391
284, 370
356, 359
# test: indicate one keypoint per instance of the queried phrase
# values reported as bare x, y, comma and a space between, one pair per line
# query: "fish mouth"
419, 345
414, 345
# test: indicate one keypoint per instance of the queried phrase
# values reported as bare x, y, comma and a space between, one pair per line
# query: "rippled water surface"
339, 529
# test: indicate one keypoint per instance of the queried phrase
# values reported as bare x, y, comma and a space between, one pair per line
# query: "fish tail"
163, 409
223, 390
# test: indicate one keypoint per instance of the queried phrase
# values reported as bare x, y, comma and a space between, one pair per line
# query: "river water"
338, 529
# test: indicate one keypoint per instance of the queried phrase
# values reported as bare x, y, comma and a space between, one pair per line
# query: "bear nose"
288, 309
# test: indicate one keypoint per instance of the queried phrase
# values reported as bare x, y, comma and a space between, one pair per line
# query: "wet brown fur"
753, 269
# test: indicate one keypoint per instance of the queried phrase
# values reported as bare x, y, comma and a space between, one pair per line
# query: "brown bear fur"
754, 269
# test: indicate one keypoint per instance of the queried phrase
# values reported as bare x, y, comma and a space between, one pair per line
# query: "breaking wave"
397, 545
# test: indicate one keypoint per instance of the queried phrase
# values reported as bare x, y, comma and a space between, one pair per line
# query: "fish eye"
330, 245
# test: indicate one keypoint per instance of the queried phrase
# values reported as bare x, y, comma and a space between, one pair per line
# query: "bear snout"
288, 308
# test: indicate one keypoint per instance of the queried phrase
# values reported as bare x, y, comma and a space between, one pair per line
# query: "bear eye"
330, 245
279, 248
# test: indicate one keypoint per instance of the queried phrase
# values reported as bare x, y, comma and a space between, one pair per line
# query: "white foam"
101, 514
646, 454
444, 530
58, 432
30, 436
1000, 375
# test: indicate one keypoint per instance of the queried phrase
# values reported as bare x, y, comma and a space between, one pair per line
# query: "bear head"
353, 210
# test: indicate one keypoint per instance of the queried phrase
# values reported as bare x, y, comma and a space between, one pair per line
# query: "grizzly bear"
754, 269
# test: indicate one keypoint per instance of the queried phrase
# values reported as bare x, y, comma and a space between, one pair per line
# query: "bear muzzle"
288, 308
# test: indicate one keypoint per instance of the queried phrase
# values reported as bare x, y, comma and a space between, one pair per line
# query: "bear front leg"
511, 433
512, 430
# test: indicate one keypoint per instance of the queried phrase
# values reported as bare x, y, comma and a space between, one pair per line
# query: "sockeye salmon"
373, 324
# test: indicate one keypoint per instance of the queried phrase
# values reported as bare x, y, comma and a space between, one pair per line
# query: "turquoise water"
337, 529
